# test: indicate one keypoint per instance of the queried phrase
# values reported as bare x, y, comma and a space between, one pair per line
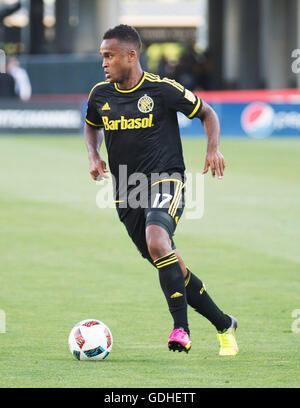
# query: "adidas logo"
176, 295
106, 106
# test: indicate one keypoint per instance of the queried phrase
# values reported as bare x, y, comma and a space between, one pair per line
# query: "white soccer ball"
90, 339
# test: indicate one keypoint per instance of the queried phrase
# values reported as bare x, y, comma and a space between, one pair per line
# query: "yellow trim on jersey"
153, 76
156, 78
119, 201
176, 203
170, 211
196, 108
172, 205
98, 84
174, 83
175, 206
176, 199
132, 89
160, 181
93, 124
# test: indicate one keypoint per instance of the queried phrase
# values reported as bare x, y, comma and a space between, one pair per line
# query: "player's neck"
132, 80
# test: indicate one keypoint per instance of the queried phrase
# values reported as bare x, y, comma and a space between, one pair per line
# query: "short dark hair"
124, 33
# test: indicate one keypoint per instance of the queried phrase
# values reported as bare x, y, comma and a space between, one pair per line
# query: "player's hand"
98, 168
216, 162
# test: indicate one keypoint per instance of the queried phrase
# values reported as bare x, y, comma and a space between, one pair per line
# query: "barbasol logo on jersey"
257, 120
124, 123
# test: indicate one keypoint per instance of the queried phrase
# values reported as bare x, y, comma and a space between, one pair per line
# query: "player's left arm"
181, 99
214, 158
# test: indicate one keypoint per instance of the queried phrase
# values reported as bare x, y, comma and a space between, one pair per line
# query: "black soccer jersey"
140, 124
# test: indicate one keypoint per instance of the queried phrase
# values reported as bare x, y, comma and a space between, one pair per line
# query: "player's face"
116, 60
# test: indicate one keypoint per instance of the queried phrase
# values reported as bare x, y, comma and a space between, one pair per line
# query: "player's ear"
132, 55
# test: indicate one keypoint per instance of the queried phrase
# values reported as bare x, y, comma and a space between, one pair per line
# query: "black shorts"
164, 207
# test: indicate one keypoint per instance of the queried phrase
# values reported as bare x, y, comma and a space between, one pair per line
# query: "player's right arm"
93, 140
93, 135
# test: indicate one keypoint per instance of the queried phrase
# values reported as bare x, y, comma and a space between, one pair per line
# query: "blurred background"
231, 52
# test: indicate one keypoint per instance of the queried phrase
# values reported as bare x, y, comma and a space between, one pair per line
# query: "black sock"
199, 299
173, 285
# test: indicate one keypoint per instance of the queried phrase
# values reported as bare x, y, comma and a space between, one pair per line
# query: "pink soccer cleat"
179, 340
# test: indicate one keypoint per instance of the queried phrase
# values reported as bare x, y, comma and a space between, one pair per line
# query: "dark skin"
121, 65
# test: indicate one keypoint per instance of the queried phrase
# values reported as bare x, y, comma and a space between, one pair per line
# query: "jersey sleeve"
181, 99
93, 118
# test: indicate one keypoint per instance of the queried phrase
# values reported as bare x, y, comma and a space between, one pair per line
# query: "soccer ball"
90, 340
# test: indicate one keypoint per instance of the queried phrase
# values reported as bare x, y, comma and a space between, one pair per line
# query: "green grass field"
63, 260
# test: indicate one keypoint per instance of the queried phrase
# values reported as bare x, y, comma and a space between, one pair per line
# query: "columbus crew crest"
145, 104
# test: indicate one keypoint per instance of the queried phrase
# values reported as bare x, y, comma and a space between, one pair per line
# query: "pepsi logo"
257, 120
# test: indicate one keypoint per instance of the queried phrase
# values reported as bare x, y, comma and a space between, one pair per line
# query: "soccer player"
138, 113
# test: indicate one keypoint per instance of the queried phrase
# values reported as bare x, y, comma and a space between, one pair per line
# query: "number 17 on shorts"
168, 195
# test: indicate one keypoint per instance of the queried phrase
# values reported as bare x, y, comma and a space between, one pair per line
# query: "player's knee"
158, 241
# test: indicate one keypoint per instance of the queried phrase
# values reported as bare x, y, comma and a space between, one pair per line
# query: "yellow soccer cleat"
228, 344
